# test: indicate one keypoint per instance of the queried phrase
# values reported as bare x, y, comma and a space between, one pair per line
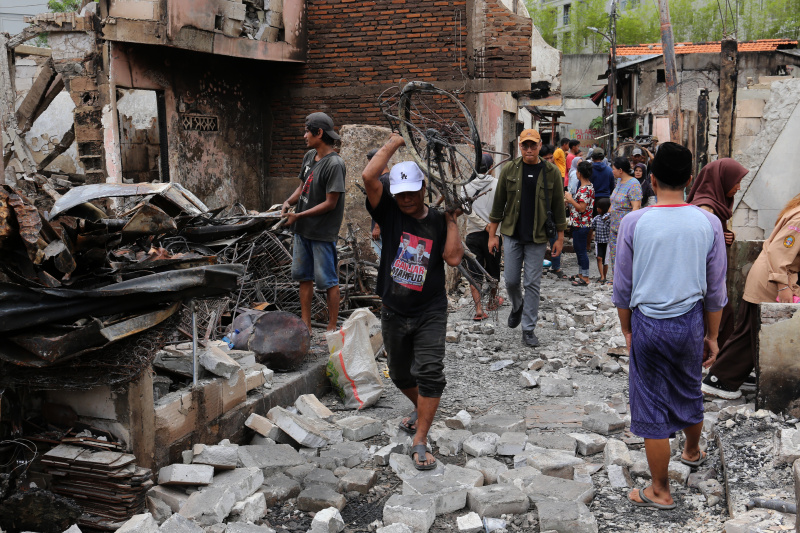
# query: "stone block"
327, 521
359, 427
242, 482
250, 509
403, 467
566, 516
490, 468
310, 406
140, 10
554, 463
208, 507
395, 528
180, 524
381, 457
528, 380
462, 420
589, 443
241, 527
263, 427
321, 476
417, 512
788, 446
140, 523
497, 424
481, 444
758, 520
175, 416
234, 390
751, 108
278, 488
496, 500
173, 497
511, 443
358, 480
254, 378
549, 488
220, 457
270, 458
452, 336
450, 496
451, 441
618, 476
552, 441
318, 497
465, 476
555, 387
299, 472
349, 454
180, 474
525, 475
603, 423
217, 362
160, 510
616, 453
679, 472
469, 523
309, 432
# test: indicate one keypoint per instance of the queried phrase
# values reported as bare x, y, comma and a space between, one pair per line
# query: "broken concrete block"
528, 380
318, 497
140, 523
417, 512
603, 423
209, 506
217, 362
220, 457
359, 427
310, 406
403, 466
583, 473
173, 497
327, 521
321, 476
349, 454
450, 496
278, 488
695, 478
241, 482
481, 444
496, 500
395, 528
358, 480
498, 424
679, 472
548, 488
160, 510
299, 472
254, 378
589, 443
618, 476
758, 520
233, 390
711, 487
452, 440
511, 443
555, 387
180, 524
490, 468
525, 475
381, 457
552, 441
250, 509
554, 463
309, 432
462, 420
616, 453
452, 336
566, 516
270, 458
469, 523
464, 476
241, 527
263, 427
180, 474
788, 446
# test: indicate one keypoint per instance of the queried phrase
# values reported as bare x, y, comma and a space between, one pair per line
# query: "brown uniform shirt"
779, 262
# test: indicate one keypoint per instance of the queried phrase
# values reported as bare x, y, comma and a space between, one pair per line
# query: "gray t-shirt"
319, 178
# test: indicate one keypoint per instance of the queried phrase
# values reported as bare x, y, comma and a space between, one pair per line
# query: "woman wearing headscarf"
640, 173
773, 277
713, 190
574, 181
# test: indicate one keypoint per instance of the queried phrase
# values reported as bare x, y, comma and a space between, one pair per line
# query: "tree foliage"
63, 6
544, 19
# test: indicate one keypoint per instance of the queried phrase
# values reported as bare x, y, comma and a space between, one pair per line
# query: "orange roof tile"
762, 45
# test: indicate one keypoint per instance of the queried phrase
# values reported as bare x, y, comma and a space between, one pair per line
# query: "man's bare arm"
453, 250
292, 200
376, 166
320, 209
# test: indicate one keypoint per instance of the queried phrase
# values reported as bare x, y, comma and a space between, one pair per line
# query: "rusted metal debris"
278, 352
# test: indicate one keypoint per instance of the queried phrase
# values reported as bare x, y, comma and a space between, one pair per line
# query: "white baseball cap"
405, 177
637, 151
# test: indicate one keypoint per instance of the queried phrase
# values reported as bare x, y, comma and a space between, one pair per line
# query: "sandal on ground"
579, 283
703, 458
409, 426
647, 502
495, 304
602, 281
421, 450
478, 318
609, 282
559, 274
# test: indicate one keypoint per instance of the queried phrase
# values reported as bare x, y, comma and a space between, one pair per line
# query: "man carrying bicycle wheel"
524, 188
418, 241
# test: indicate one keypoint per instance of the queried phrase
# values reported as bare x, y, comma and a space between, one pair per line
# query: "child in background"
601, 230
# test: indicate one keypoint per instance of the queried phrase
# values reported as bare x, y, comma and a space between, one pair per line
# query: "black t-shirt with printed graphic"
319, 178
411, 273
523, 232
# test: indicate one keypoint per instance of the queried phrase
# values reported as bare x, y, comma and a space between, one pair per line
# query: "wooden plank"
27, 50
55, 89
35, 96
728, 74
61, 147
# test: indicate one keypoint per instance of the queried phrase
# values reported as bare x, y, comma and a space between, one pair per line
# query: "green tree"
63, 6
586, 14
544, 19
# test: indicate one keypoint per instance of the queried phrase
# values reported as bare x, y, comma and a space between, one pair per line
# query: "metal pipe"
670, 72
194, 343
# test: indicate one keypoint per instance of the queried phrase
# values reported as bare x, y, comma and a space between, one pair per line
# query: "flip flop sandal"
579, 283
647, 502
420, 450
407, 425
703, 458
478, 318
559, 274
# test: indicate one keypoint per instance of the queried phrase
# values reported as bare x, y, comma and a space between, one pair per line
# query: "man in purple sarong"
669, 280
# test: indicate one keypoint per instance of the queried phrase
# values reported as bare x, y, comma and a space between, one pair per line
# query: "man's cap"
598, 153
637, 151
405, 177
529, 135
322, 121
371, 154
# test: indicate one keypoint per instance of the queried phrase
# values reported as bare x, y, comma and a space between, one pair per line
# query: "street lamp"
613, 82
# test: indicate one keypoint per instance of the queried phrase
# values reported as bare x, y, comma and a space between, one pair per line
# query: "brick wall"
507, 43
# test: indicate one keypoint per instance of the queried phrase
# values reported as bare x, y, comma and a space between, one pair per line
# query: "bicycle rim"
423, 110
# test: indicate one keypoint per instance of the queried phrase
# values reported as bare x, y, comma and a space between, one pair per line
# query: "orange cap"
529, 135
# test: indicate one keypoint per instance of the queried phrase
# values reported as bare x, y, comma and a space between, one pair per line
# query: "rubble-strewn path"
535, 439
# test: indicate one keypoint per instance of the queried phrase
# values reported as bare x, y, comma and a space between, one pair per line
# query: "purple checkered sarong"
666, 373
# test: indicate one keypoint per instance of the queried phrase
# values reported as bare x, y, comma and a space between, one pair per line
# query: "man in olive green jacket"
519, 203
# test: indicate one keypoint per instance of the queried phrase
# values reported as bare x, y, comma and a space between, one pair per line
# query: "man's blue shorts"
315, 260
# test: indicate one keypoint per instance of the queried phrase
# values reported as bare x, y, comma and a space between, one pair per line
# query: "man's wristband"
783, 289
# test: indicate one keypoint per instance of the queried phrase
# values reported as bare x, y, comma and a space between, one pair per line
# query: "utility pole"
671, 73
614, 74
728, 74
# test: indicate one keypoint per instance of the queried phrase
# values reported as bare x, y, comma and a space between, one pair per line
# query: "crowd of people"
666, 251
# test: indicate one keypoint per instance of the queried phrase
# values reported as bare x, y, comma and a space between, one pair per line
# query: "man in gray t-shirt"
317, 217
